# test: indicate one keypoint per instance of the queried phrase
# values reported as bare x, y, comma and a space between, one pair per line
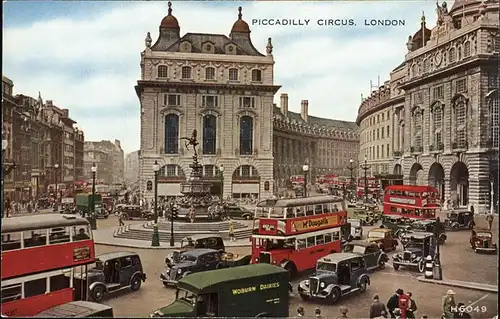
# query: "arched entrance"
398, 169
436, 178
459, 184
211, 174
246, 182
415, 170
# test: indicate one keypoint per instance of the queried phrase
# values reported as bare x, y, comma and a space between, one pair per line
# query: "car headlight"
322, 285
413, 256
179, 271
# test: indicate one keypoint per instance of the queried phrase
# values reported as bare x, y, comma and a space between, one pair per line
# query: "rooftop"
319, 121
115, 254
338, 257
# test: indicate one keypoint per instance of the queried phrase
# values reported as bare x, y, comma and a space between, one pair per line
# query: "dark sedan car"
375, 258
238, 212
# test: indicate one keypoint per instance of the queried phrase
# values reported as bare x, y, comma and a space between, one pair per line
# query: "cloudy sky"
85, 55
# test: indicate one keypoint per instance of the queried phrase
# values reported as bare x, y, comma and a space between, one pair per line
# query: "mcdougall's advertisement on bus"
312, 224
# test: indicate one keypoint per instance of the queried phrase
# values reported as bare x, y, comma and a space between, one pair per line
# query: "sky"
84, 56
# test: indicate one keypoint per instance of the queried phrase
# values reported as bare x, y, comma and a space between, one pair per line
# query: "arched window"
186, 72
209, 134
417, 122
162, 71
467, 49
256, 75
437, 117
460, 122
171, 134
210, 73
246, 135
494, 121
452, 56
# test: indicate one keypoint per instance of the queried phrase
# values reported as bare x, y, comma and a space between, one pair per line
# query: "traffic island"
461, 284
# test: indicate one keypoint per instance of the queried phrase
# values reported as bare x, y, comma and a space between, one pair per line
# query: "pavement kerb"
461, 284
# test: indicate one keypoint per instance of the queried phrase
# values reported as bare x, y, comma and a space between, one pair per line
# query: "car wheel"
136, 283
247, 217
335, 294
97, 293
362, 285
421, 266
395, 266
381, 264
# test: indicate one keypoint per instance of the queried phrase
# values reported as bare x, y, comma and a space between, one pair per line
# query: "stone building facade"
34, 132
110, 155
448, 128
326, 145
131, 170
218, 85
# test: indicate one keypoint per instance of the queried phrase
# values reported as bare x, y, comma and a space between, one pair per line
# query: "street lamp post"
437, 270
56, 167
221, 173
351, 169
92, 217
155, 241
366, 167
305, 168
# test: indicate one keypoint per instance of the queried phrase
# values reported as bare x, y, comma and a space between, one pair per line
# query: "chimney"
48, 102
284, 103
304, 109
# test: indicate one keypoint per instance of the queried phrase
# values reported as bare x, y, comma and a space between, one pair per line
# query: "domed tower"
169, 31
420, 38
240, 34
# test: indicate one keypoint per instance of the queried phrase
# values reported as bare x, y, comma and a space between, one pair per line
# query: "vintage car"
374, 257
336, 275
356, 228
459, 219
383, 237
198, 260
114, 271
426, 225
78, 309
134, 212
198, 241
396, 223
237, 212
481, 240
417, 246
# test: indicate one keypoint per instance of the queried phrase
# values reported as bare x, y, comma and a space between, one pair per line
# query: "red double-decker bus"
373, 187
294, 233
40, 256
412, 201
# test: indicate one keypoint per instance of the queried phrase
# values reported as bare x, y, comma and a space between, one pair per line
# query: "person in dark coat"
410, 312
393, 302
377, 309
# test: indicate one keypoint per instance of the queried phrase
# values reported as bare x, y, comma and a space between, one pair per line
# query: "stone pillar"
290, 151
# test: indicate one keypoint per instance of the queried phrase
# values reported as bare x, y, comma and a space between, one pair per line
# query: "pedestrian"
317, 313
191, 214
377, 309
120, 219
343, 312
412, 307
489, 219
461, 312
403, 304
300, 312
231, 230
448, 304
472, 209
393, 302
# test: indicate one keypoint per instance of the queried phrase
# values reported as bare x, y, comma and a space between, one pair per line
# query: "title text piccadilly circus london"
329, 22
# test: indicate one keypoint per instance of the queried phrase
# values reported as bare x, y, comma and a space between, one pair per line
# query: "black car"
417, 246
198, 260
459, 219
427, 225
237, 212
114, 271
336, 275
375, 258
396, 223
193, 242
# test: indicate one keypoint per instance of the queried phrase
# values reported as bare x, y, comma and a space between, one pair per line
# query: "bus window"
299, 211
335, 208
11, 241
301, 243
58, 235
11, 292
80, 233
35, 287
417, 212
35, 238
318, 210
311, 241
336, 235
320, 240
328, 238
310, 210
59, 282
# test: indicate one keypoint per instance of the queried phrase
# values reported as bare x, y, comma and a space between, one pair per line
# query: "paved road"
459, 262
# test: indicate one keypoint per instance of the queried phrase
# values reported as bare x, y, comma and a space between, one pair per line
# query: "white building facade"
223, 88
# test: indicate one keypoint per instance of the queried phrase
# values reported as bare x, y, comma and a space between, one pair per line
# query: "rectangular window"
210, 74
378, 152
378, 118
58, 282
388, 148
170, 170
438, 92
11, 292
388, 135
382, 133
35, 238
381, 151
209, 101
378, 134
233, 74
172, 100
461, 86
256, 76
383, 114
35, 287
247, 101
58, 236
245, 171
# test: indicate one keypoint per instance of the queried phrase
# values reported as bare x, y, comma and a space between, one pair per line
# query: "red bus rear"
412, 201
39, 257
294, 233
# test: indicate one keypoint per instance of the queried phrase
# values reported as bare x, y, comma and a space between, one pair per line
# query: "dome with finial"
169, 22
240, 25
422, 36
